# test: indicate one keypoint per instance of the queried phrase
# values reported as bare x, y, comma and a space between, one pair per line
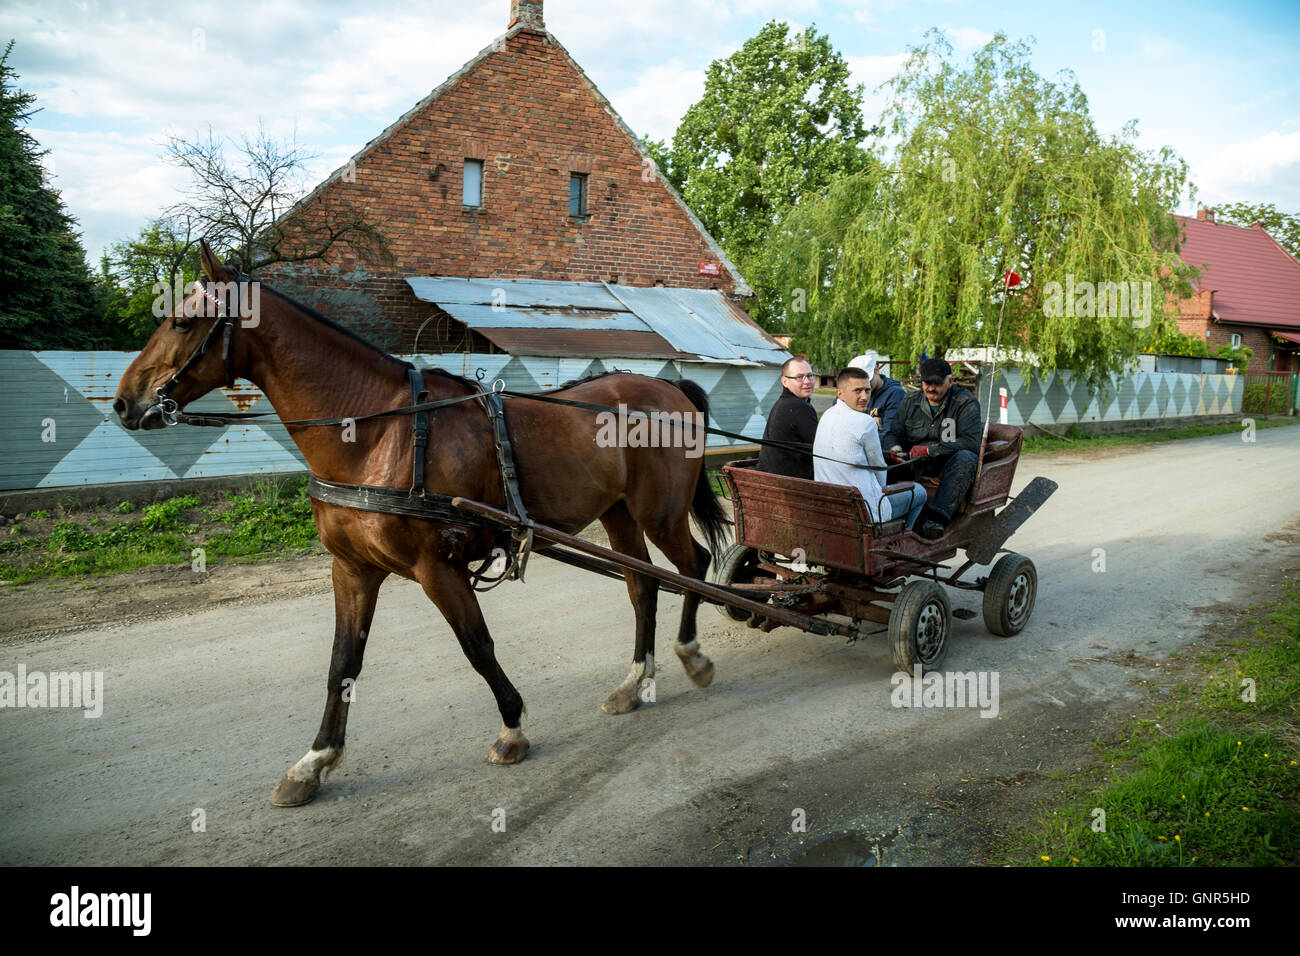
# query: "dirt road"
204, 711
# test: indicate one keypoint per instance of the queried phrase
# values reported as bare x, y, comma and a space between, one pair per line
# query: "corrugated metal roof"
513, 293
584, 343
657, 308
727, 319
490, 317
693, 324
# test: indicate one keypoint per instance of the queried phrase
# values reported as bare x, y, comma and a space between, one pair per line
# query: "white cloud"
869, 13
656, 101
316, 71
1159, 49
107, 178
967, 38
1247, 162
871, 72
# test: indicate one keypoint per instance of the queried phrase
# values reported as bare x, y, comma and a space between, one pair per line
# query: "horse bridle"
223, 327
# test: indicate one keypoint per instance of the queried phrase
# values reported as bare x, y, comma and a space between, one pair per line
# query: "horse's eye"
180, 324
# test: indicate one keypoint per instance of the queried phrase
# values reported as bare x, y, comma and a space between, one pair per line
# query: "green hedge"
1279, 400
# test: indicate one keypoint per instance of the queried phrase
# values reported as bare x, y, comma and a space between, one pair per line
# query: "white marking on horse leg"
626, 696
315, 766
632, 682
511, 735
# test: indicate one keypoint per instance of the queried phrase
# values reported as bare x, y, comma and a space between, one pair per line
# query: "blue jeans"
910, 502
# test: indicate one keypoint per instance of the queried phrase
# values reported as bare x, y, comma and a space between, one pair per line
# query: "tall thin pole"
1006, 285
997, 344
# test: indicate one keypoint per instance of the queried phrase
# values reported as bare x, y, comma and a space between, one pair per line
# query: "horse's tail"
713, 521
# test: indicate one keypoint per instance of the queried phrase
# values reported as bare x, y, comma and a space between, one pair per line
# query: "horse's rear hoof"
293, 793
510, 747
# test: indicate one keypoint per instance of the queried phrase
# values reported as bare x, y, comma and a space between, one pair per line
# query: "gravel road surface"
204, 711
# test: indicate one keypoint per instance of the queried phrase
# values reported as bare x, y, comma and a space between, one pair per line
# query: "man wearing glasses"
793, 421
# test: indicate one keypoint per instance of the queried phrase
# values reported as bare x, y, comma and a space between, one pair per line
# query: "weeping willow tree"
993, 168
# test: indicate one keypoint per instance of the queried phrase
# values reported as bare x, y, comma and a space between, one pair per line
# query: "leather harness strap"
420, 431
522, 534
416, 502
394, 501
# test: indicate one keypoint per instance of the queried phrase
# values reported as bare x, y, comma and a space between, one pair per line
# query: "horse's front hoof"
510, 747
293, 793
701, 674
623, 700
698, 667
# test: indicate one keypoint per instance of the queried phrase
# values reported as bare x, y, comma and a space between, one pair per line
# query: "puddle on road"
848, 850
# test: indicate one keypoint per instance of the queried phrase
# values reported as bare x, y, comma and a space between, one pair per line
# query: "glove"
919, 451
897, 453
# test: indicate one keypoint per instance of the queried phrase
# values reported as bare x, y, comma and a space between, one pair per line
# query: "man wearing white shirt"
846, 451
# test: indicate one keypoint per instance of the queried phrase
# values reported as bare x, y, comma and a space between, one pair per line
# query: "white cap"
867, 363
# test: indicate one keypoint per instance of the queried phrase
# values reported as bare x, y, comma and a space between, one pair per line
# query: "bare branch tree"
238, 204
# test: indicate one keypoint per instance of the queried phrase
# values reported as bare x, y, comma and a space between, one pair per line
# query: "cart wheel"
1009, 595
918, 626
738, 565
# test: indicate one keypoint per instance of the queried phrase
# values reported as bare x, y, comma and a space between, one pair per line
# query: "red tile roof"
1255, 280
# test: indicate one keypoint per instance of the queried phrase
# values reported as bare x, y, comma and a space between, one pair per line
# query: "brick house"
533, 239
1248, 293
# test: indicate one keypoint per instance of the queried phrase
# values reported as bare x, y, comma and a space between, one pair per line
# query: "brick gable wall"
528, 113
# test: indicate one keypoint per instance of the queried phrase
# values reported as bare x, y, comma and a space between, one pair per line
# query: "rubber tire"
738, 565
1011, 573
915, 608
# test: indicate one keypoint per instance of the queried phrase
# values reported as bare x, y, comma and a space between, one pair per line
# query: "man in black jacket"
939, 430
792, 420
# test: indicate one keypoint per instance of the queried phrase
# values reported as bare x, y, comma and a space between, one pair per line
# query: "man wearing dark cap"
938, 428
793, 422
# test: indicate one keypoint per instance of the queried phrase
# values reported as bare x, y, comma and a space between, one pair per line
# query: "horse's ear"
213, 267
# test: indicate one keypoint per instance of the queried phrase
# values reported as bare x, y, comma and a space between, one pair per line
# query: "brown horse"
309, 367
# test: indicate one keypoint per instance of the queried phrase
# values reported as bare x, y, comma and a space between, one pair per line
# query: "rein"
177, 417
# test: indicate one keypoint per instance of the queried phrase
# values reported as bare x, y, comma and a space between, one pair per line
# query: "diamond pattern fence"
61, 430
1061, 399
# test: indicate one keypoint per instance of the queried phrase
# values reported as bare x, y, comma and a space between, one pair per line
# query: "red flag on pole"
1013, 279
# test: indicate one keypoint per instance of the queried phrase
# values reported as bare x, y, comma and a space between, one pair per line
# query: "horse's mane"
361, 340
451, 375
325, 320
591, 378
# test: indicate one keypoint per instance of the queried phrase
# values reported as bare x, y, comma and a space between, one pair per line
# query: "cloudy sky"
1217, 82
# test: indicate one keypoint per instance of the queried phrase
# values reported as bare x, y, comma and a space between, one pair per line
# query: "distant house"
535, 241
1248, 293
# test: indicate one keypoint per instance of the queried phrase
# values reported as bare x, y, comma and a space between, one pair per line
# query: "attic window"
472, 191
1236, 339
578, 194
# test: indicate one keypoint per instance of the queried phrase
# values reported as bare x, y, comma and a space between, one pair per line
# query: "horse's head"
190, 354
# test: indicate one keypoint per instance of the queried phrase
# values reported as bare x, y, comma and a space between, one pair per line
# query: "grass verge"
1212, 779
270, 517
1080, 441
